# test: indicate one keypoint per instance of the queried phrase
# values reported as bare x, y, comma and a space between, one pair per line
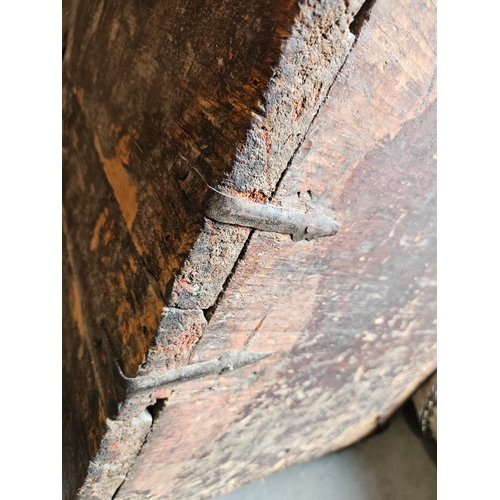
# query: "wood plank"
82, 407
114, 282
351, 320
152, 90
110, 301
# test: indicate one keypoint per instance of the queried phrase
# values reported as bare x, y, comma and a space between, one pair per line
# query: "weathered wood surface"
231, 89
351, 319
149, 91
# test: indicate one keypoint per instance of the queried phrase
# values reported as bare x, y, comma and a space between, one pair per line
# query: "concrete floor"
395, 464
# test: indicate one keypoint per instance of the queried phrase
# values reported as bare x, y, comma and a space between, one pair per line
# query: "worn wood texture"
351, 320
82, 407
152, 90
149, 91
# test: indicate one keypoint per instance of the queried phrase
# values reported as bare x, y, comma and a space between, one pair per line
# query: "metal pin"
267, 217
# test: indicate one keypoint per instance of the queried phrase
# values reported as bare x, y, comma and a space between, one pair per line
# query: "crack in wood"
228, 361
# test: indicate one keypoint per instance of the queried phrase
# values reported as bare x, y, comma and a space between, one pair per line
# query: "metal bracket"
228, 209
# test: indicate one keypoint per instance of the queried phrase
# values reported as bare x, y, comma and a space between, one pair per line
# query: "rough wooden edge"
311, 58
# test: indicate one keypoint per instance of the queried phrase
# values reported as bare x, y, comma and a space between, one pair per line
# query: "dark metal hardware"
227, 362
228, 209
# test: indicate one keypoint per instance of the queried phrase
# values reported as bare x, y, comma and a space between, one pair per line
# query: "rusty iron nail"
228, 209
227, 362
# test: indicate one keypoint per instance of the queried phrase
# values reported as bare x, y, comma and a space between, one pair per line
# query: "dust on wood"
148, 91
232, 90
350, 320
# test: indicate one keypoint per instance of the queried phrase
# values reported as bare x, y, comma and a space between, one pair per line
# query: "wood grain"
82, 407
151, 90
351, 320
